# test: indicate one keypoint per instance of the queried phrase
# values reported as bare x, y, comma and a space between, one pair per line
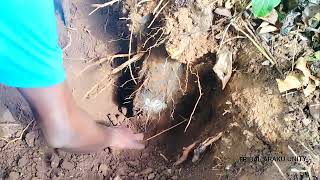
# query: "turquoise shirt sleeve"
30, 56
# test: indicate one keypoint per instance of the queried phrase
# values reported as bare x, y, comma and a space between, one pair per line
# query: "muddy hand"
124, 138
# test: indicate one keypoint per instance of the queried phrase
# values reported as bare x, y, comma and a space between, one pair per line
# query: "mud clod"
67, 165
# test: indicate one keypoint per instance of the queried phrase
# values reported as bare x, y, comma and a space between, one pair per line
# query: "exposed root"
157, 7
20, 137
305, 166
98, 6
279, 169
198, 100
256, 44
127, 63
103, 60
87, 94
166, 130
130, 48
155, 17
69, 42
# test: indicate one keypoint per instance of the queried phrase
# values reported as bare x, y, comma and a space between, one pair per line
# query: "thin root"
280, 171
130, 48
155, 17
195, 106
20, 137
98, 6
166, 130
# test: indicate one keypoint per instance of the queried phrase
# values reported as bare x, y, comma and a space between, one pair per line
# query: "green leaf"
263, 8
317, 55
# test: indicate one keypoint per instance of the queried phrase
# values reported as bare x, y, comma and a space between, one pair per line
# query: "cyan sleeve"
30, 56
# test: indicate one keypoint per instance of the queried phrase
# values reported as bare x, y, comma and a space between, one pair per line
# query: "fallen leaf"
301, 64
223, 12
223, 67
293, 80
204, 145
185, 153
310, 88
267, 29
272, 17
228, 4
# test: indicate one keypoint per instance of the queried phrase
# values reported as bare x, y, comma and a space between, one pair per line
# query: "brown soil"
255, 118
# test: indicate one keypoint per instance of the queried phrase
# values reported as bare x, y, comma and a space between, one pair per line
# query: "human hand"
124, 138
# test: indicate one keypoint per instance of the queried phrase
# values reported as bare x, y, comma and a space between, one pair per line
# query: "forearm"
63, 124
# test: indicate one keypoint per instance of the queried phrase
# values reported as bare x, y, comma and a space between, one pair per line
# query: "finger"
137, 145
139, 137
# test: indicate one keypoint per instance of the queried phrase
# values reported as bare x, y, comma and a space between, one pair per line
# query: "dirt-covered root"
188, 29
162, 83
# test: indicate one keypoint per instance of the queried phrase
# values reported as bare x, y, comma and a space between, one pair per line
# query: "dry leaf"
228, 4
272, 17
267, 29
263, 24
185, 153
203, 146
301, 64
292, 81
310, 88
223, 12
223, 67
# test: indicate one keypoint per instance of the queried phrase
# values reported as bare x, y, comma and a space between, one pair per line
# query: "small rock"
145, 155
315, 111
35, 178
104, 169
163, 178
151, 176
306, 121
132, 174
9, 130
2, 143
67, 165
2, 173
6, 116
23, 161
123, 169
174, 177
133, 164
117, 178
55, 161
146, 171
31, 138
169, 171
14, 175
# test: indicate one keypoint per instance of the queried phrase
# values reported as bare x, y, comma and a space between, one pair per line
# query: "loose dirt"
256, 120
